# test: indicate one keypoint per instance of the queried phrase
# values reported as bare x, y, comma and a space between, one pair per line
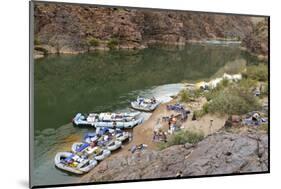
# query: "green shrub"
248, 83
182, 137
184, 96
264, 89
224, 83
233, 100
162, 146
205, 108
263, 127
198, 113
189, 95
212, 93
257, 72
197, 93
37, 41
113, 43
93, 42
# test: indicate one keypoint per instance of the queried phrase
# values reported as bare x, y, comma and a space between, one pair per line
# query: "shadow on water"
107, 81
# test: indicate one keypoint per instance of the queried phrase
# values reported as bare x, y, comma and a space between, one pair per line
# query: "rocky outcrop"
67, 28
256, 42
220, 153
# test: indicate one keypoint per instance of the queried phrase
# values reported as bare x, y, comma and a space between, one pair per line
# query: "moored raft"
73, 163
113, 145
100, 154
123, 136
109, 120
145, 104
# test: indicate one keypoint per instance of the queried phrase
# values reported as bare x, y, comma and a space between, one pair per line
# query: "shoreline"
49, 50
143, 134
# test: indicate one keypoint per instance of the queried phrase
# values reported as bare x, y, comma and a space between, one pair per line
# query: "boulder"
220, 153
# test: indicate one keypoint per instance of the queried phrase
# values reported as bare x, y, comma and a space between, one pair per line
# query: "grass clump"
264, 90
199, 113
37, 41
182, 137
184, 96
189, 95
93, 42
113, 43
264, 127
257, 72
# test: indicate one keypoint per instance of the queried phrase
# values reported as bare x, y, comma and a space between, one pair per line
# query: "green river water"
107, 81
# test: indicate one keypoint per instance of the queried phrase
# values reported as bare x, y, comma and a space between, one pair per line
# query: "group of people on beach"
174, 122
159, 136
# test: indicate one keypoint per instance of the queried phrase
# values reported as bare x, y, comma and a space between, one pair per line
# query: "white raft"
109, 120
145, 104
80, 147
78, 165
122, 136
100, 154
114, 145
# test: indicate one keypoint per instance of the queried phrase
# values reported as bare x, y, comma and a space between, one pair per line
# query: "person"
140, 100
169, 123
184, 115
93, 144
255, 117
193, 117
174, 121
98, 130
106, 138
154, 136
164, 137
133, 149
114, 125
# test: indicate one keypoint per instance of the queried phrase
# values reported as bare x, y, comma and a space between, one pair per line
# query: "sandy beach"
143, 134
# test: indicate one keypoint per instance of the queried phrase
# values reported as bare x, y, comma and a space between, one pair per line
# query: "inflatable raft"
70, 162
113, 145
100, 154
91, 137
79, 147
122, 136
109, 120
145, 104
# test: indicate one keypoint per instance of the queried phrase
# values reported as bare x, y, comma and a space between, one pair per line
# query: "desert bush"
197, 93
37, 41
184, 96
224, 83
112, 43
182, 137
264, 127
248, 83
257, 72
235, 99
264, 90
189, 95
93, 42
198, 113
